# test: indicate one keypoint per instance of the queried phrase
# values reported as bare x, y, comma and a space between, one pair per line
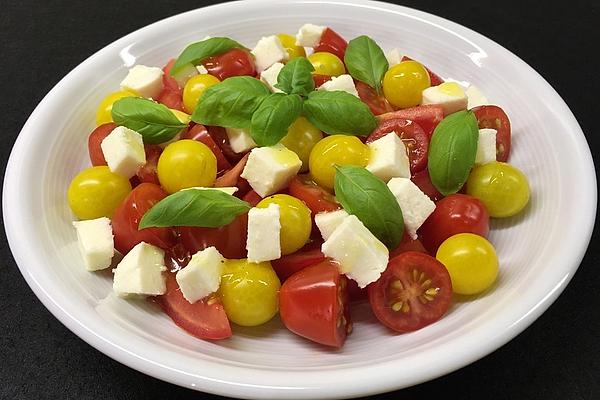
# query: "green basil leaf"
296, 77
452, 151
273, 117
366, 62
195, 207
339, 113
154, 121
197, 52
363, 194
231, 103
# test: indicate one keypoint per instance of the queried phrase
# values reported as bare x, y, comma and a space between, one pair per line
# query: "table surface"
558, 357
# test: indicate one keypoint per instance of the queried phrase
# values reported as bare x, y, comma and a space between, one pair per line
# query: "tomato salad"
296, 178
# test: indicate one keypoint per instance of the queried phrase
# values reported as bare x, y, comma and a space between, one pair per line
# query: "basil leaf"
296, 77
366, 62
273, 117
194, 207
452, 151
339, 113
363, 194
231, 103
154, 121
197, 52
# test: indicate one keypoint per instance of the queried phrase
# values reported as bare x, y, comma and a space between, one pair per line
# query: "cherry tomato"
494, 117
127, 218
200, 133
219, 135
289, 264
147, 173
376, 102
171, 99
194, 88
355, 292
404, 83
104, 111
230, 239
232, 177
327, 64
413, 136
414, 291
252, 198
408, 244
316, 198
313, 303
169, 83
301, 138
333, 43
434, 78
335, 150
423, 181
320, 79
427, 116
289, 43
235, 62
186, 163
95, 140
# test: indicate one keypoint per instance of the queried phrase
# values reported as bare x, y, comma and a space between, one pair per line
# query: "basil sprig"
363, 194
270, 122
195, 207
197, 52
296, 77
366, 62
452, 151
154, 121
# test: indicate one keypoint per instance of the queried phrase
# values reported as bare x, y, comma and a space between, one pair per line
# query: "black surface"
558, 357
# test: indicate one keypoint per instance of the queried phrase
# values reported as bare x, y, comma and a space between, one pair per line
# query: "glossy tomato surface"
235, 62
170, 95
230, 239
315, 197
289, 264
408, 244
147, 173
95, 140
320, 79
433, 77
423, 181
427, 116
494, 117
332, 42
376, 102
232, 177
200, 133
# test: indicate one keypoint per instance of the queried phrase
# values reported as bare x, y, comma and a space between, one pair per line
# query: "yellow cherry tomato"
327, 64
103, 113
404, 83
471, 262
249, 292
194, 88
501, 187
289, 43
301, 138
186, 163
335, 150
294, 217
97, 192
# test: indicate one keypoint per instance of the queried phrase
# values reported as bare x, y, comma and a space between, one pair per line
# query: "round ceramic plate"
539, 250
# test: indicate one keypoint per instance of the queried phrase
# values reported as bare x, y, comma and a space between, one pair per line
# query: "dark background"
558, 357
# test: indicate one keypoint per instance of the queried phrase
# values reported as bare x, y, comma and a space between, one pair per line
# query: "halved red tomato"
230, 239
376, 102
315, 197
494, 117
289, 264
200, 133
170, 96
427, 116
423, 181
414, 291
147, 173
235, 62
333, 43
320, 79
434, 78
95, 140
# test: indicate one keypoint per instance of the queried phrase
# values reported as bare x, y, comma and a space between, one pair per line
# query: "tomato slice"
376, 102
408, 244
235, 62
230, 239
423, 181
494, 117
252, 198
95, 140
433, 78
413, 136
427, 116
171, 95
219, 135
333, 43
414, 291
200, 133
315, 197
289, 264
313, 303
320, 79
169, 83
232, 177
147, 173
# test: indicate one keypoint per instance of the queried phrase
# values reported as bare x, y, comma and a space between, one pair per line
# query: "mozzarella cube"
123, 151
475, 97
486, 146
393, 57
202, 275
140, 272
361, 255
240, 140
144, 81
268, 51
269, 76
184, 74
416, 206
389, 158
309, 35
450, 95
327, 222
96, 245
343, 83
201, 69
269, 169
263, 243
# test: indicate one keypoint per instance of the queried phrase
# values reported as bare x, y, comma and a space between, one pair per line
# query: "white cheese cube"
144, 81
184, 74
486, 146
95, 239
450, 95
269, 76
475, 97
389, 158
361, 255
343, 83
393, 57
201, 69
123, 151
240, 140
263, 243
416, 206
268, 51
202, 275
269, 169
140, 272
327, 222
309, 35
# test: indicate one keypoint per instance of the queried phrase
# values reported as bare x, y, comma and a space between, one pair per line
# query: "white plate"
539, 250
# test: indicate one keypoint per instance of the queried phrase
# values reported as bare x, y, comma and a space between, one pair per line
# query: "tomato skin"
171, 95
326, 63
95, 140
494, 117
252, 198
315, 197
219, 135
427, 116
235, 62
169, 83
147, 173
333, 43
288, 265
355, 293
313, 301
232, 177
377, 103
127, 217
200, 133
230, 239
423, 181
408, 244
320, 79
433, 77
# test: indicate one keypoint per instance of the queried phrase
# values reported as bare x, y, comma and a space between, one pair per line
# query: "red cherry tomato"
331, 42
414, 291
376, 102
313, 304
315, 197
320, 79
428, 116
230, 239
408, 244
252, 198
232, 177
457, 213
289, 264
94, 141
434, 78
234, 62
169, 82
200, 133
219, 135
494, 117
147, 173
127, 217
413, 136
423, 181
171, 95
